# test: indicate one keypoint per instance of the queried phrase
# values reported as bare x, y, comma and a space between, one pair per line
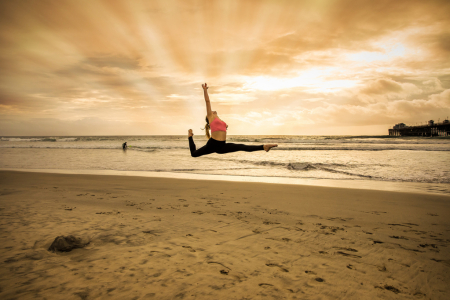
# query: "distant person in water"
124, 146
217, 139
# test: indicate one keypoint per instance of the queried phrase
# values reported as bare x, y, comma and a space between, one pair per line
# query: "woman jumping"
217, 140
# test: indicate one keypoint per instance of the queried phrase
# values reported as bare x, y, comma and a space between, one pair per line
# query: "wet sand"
160, 238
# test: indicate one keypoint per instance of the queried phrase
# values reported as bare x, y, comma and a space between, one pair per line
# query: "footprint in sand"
382, 269
265, 285
389, 288
332, 228
339, 219
404, 224
278, 266
398, 237
189, 248
349, 255
347, 249
375, 212
270, 223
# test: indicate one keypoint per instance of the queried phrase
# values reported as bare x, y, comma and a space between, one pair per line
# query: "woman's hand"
208, 104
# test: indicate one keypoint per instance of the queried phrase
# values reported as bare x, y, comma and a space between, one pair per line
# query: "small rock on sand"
66, 243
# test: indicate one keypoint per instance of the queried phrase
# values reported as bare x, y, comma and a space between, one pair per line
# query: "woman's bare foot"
190, 133
267, 147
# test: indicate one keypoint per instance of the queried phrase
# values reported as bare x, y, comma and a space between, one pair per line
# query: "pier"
429, 129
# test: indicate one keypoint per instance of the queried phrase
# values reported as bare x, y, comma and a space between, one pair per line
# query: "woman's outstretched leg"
202, 151
231, 147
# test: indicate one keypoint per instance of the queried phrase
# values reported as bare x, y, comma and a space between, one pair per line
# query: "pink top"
218, 125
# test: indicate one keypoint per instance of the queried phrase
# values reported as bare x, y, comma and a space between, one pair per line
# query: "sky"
323, 67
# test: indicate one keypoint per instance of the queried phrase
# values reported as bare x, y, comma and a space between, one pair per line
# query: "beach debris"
219, 263
224, 272
318, 279
66, 243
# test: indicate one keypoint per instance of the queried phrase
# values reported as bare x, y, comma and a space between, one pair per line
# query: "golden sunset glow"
273, 67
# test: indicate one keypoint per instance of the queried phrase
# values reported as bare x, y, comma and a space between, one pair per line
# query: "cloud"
382, 86
435, 106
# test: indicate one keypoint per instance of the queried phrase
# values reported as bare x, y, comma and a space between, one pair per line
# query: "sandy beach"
160, 238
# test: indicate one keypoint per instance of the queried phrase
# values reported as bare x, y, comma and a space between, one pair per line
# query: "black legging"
220, 147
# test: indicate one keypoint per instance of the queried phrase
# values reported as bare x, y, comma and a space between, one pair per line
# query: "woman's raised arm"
208, 103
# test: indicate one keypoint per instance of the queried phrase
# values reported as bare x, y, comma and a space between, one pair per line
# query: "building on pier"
429, 129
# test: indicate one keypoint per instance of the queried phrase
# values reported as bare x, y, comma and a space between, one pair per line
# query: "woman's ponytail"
207, 128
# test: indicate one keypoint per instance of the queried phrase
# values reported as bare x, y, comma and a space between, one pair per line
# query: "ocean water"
405, 163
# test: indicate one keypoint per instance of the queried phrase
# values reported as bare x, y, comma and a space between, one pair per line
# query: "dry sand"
155, 238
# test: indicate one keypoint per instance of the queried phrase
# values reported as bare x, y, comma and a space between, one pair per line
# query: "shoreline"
390, 186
